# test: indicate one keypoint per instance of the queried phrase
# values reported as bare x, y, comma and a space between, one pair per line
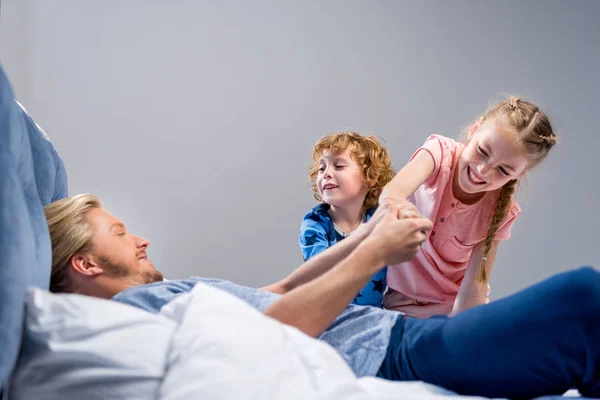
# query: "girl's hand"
405, 208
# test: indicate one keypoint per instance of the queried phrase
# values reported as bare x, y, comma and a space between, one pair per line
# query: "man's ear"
84, 264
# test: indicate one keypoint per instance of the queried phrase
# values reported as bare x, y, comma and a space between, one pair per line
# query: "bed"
206, 344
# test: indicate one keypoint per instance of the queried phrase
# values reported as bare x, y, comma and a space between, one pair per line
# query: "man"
520, 346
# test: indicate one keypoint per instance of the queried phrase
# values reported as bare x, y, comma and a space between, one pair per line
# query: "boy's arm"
323, 262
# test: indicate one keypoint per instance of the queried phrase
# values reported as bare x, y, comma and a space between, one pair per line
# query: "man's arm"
326, 260
313, 306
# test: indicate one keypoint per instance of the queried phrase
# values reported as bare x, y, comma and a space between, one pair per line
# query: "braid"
502, 206
532, 130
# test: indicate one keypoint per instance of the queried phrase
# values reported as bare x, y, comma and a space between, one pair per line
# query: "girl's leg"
543, 340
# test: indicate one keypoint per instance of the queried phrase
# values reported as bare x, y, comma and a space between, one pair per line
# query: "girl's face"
340, 180
491, 159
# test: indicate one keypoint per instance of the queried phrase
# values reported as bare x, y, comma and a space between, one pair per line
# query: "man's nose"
142, 242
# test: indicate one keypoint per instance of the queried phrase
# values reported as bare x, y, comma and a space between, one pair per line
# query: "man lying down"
520, 346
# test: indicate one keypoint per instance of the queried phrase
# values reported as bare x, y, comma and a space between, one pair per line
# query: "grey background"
194, 120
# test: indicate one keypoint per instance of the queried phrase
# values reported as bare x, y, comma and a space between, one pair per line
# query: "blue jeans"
543, 340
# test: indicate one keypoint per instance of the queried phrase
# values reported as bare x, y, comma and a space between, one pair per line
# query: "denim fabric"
31, 174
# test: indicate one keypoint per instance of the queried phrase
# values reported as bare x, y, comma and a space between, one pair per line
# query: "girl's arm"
472, 293
408, 180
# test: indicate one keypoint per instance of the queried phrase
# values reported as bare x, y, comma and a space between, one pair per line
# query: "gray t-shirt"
360, 334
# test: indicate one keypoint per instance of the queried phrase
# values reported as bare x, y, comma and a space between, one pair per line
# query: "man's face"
119, 253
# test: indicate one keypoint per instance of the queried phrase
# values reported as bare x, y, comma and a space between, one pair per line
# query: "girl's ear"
474, 128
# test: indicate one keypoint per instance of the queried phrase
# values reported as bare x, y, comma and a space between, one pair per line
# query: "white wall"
16, 45
194, 120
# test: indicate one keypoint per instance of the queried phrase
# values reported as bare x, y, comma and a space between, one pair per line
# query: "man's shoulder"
175, 285
151, 297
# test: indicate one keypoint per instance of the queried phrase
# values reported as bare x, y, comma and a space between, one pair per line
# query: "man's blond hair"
70, 234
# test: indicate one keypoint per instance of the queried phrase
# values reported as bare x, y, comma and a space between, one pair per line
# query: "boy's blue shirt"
317, 233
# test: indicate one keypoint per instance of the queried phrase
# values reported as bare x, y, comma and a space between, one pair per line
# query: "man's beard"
120, 271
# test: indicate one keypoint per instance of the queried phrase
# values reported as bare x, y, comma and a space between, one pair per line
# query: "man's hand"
322, 263
399, 238
407, 210
326, 286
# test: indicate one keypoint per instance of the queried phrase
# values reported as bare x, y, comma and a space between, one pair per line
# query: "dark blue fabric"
317, 233
543, 340
25, 250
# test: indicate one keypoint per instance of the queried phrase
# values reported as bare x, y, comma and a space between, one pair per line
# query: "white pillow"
225, 349
78, 347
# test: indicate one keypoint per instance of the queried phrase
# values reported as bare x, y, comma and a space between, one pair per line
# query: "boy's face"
340, 180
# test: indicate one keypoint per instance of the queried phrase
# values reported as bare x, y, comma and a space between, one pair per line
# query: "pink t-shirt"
429, 283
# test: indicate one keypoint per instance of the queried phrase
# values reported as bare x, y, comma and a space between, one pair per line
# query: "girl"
348, 174
467, 191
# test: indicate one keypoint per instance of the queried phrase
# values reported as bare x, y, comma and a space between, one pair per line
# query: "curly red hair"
370, 155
